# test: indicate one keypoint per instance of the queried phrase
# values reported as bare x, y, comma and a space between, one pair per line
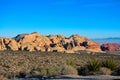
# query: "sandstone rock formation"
55, 43
93, 46
2, 45
7, 43
13, 45
33, 41
110, 47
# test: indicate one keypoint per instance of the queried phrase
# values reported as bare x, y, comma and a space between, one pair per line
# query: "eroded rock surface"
2, 45
58, 43
110, 47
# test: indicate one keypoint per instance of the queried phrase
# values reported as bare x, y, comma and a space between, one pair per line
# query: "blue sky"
89, 18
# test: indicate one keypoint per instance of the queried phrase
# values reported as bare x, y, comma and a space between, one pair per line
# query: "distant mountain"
108, 40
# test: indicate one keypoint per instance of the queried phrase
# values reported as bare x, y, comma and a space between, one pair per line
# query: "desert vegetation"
21, 64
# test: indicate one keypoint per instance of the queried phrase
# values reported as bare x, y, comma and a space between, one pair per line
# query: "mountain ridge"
58, 43
107, 40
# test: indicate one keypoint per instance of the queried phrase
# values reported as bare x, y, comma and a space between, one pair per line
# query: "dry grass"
69, 70
105, 71
26, 64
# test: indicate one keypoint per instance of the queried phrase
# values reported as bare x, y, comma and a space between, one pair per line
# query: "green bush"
110, 63
94, 65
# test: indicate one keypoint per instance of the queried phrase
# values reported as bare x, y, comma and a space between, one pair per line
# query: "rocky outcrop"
8, 43
54, 43
56, 39
33, 41
2, 45
110, 47
92, 46
13, 45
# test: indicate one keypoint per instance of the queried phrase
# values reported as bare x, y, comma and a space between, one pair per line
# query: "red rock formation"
110, 47
93, 46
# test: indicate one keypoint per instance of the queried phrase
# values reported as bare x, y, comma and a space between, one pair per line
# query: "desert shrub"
41, 72
110, 63
117, 71
21, 75
68, 70
25, 64
83, 71
46, 71
3, 78
94, 65
105, 71
52, 71
70, 63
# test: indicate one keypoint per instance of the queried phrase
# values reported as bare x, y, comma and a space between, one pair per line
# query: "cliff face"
58, 43
110, 47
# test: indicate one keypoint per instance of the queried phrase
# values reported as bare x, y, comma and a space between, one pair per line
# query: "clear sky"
89, 18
